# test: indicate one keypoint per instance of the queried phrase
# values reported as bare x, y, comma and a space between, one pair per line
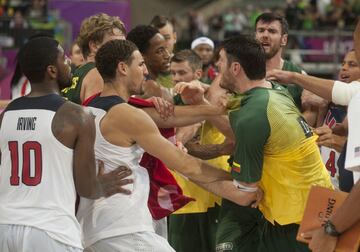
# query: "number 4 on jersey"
27, 165
330, 164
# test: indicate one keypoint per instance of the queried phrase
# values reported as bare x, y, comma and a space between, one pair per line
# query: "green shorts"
193, 232
239, 228
277, 238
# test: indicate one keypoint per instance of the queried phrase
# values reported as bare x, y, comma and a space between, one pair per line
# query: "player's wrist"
330, 229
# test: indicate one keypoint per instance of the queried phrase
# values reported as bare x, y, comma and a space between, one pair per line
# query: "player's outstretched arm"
184, 115
142, 130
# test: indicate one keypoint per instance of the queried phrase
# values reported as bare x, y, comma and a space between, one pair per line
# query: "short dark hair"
141, 36
159, 21
190, 56
110, 54
249, 53
268, 17
36, 55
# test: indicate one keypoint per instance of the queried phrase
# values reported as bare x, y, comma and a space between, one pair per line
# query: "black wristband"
330, 229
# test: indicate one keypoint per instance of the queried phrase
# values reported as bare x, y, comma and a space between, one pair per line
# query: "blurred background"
320, 30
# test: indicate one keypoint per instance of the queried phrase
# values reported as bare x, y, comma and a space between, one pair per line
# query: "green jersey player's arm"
142, 130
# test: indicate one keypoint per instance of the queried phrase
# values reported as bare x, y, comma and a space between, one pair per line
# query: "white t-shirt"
343, 92
352, 161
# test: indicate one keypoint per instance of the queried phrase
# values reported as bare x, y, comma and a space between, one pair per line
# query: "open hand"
191, 93
113, 182
163, 107
284, 77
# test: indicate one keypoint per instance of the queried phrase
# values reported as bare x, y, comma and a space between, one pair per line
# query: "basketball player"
47, 155
94, 32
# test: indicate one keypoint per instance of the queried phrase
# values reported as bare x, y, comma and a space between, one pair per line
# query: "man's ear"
198, 73
175, 37
123, 68
284, 40
93, 46
52, 71
235, 68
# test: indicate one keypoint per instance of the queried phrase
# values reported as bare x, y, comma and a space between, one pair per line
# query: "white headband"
202, 40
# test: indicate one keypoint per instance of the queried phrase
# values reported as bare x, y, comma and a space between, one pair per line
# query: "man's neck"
113, 88
90, 58
250, 84
40, 89
275, 62
153, 74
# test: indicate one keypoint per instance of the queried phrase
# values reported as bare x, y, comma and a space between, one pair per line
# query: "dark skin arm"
75, 128
210, 151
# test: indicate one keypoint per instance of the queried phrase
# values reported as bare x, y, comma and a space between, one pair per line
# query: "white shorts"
135, 242
17, 238
160, 227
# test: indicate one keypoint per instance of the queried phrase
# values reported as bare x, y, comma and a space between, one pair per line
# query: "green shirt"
72, 93
294, 90
263, 114
165, 80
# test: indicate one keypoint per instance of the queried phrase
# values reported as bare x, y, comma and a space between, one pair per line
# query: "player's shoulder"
126, 111
74, 114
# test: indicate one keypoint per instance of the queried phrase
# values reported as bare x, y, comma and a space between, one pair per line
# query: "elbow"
247, 199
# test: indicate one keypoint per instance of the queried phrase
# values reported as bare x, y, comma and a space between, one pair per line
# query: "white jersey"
36, 175
352, 161
119, 214
330, 156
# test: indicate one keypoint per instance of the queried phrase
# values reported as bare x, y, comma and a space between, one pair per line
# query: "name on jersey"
26, 123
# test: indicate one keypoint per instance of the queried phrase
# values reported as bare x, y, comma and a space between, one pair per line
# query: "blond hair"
94, 29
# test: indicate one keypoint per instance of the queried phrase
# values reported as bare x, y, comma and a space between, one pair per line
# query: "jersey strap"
103, 102
47, 102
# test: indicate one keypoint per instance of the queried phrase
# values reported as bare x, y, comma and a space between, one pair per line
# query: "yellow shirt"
204, 199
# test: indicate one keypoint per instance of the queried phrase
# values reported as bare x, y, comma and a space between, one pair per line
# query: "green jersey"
275, 146
294, 90
72, 93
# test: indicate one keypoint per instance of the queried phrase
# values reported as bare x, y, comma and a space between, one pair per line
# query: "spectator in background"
216, 27
228, 17
166, 28
37, 9
18, 21
240, 21
204, 47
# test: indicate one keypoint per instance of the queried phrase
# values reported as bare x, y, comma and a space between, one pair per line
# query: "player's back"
36, 176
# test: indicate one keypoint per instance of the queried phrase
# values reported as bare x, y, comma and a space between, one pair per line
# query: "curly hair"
36, 55
94, 29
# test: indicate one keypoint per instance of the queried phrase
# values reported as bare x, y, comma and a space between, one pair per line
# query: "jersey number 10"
27, 148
